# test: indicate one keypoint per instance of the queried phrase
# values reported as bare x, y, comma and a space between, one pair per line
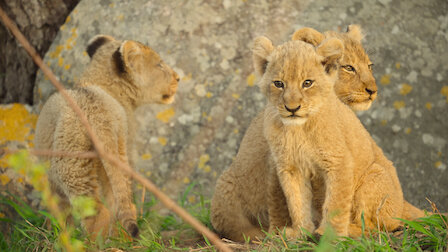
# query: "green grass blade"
417, 226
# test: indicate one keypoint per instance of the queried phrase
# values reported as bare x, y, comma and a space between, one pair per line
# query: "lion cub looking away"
320, 149
121, 76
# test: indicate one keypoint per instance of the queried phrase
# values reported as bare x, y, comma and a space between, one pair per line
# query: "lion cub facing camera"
239, 206
319, 146
121, 76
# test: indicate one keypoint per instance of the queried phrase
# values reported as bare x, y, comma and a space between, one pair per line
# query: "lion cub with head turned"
121, 76
319, 146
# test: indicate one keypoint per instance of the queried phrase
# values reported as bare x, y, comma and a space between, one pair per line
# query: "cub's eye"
349, 68
370, 66
279, 84
307, 83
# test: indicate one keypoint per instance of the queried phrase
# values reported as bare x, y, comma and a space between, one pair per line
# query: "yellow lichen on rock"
16, 123
203, 160
408, 130
17, 126
146, 156
385, 79
405, 89
165, 115
4, 179
162, 141
207, 168
399, 104
251, 80
444, 92
54, 54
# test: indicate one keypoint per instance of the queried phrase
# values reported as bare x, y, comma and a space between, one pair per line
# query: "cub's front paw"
292, 233
338, 231
320, 231
132, 229
288, 232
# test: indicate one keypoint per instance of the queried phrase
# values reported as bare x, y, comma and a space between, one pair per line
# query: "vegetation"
45, 230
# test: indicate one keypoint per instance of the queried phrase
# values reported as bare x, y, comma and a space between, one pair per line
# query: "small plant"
30, 232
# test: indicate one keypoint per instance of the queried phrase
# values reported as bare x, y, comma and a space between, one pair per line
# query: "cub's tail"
411, 212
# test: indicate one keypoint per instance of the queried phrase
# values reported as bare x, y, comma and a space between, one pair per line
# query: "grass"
45, 230
32, 232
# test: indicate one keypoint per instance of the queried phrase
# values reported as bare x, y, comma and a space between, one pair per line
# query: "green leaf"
83, 207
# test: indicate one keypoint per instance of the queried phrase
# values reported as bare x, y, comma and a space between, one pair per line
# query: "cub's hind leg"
227, 213
377, 197
279, 219
74, 177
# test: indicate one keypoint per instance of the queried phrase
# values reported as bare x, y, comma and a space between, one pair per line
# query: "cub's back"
101, 109
46, 123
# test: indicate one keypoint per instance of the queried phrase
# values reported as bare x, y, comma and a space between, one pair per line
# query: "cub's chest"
293, 149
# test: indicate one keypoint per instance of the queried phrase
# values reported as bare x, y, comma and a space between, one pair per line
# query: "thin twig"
284, 243
387, 231
170, 204
435, 209
55, 153
377, 217
142, 200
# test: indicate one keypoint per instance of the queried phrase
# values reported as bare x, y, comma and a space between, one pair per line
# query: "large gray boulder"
208, 44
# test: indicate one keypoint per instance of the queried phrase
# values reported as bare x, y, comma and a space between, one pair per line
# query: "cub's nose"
176, 76
370, 92
292, 110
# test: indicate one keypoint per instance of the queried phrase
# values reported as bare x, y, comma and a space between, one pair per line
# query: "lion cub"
356, 85
121, 76
239, 206
319, 146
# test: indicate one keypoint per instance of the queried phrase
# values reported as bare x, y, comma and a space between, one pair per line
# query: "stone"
209, 42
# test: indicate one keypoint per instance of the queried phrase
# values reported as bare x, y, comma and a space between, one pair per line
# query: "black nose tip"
292, 110
370, 92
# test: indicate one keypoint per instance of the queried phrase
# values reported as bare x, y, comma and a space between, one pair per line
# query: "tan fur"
325, 143
355, 88
120, 77
239, 206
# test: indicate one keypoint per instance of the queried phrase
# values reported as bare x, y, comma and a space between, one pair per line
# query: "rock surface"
208, 44
39, 21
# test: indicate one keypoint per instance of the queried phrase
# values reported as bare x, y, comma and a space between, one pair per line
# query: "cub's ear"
96, 42
331, 49
127, 56
355, 32
261, 50
308, 35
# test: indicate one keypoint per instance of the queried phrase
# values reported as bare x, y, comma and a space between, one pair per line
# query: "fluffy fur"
239, 206
121, 76
356, 86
